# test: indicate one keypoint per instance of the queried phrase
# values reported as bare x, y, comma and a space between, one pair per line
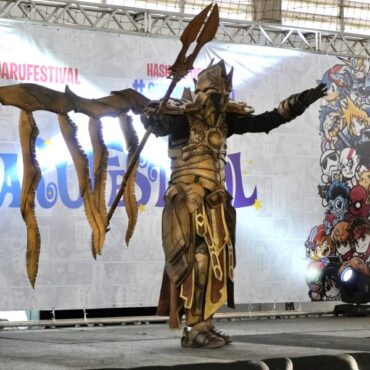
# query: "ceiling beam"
157, 23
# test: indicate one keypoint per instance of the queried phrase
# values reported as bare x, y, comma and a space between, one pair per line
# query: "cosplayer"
198, 226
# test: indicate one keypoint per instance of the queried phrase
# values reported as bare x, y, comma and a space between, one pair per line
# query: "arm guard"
291, 107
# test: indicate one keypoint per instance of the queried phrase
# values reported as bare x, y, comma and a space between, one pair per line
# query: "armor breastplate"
202, 157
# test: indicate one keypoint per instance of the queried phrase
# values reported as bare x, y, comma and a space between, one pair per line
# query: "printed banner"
342, 239
273, 178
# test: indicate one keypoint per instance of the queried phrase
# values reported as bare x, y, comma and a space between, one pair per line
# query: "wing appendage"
32, 97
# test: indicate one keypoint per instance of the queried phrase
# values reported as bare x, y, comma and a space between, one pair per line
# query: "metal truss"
117, 19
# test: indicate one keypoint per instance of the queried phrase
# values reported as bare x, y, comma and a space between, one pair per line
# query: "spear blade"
200, 30
210, 28
191, 31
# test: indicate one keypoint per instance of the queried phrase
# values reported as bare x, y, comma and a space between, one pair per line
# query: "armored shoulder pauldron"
179, 106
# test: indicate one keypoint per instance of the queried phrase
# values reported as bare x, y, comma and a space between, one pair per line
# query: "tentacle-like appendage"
69, 130
100, 166
129, 197
28, 132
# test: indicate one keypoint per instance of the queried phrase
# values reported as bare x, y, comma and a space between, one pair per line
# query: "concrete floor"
131, 346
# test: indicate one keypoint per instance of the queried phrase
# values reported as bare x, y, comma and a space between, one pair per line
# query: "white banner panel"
273, 178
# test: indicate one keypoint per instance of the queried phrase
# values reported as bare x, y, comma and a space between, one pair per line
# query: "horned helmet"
214, 80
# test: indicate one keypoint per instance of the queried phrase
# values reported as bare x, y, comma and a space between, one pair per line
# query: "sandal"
210, 327
205, 339
227, 338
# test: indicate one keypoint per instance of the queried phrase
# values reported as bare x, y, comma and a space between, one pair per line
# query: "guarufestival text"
39, 73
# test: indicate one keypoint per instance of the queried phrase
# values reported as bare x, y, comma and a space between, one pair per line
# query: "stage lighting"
347, 274
354, 286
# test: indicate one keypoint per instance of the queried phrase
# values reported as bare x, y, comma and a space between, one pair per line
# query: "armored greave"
195, 313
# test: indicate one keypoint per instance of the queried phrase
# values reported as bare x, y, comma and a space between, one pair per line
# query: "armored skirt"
199, 250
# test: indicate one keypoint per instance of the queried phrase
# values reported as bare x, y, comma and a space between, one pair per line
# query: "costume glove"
309, 96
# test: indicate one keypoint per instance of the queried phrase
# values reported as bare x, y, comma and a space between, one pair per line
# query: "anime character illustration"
198, 228
330, 282
345, 162
321, 271
356, 120
357, 201
337, 205
341, 240
364, 180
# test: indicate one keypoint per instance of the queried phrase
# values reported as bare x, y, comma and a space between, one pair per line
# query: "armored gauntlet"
296, 104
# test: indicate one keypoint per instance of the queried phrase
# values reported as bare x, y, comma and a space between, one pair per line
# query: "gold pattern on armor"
188, 299
230, 254
203, 229
230, 250
211, 306
215, 261
199, 222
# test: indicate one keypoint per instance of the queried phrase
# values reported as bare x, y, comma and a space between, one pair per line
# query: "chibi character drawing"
330, 281
322, 246
357, 201
330, 127
337, 205
356, 120
360, 238
341, 240
349, 166
365, 180
314, 280
329, 162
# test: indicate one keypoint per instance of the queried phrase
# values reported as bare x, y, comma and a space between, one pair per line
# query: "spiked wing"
32, 97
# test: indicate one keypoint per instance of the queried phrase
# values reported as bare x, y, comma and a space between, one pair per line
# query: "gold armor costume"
198, 225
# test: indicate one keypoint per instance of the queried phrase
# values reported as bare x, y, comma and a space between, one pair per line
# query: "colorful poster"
342, 238
272, 178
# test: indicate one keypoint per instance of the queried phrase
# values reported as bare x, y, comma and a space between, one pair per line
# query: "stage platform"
283, 343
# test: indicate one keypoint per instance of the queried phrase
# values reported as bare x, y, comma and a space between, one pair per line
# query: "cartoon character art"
330, 126
341, 240
349, 166
360, 239
329, 162
357, 201
319, 277
338, 80
314, 280
359, 74
330, 281
365, 180
344, 130
321, 246
337, 205
356, 120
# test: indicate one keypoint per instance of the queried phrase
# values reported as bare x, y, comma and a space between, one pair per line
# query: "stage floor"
130, 346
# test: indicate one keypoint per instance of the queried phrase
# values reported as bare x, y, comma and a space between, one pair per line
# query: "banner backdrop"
273, 178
